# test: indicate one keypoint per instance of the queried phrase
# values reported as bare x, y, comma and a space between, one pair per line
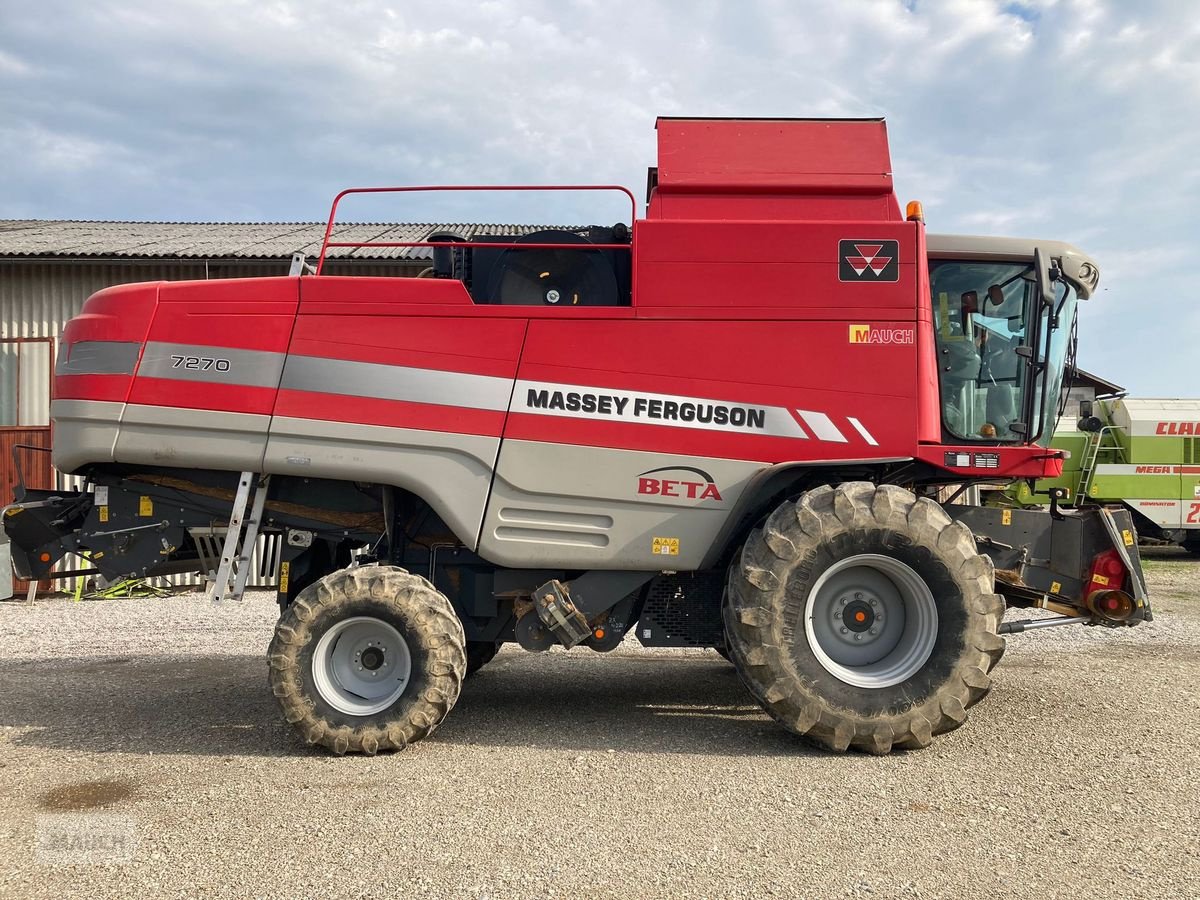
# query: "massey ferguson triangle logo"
688, 484
869, 260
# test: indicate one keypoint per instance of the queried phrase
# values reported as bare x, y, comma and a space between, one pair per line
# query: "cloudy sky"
1070, 119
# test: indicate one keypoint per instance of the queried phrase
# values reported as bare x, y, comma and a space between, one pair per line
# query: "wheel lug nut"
845, 630
858, 637
874, 631
874, 602
842, 601
858, 595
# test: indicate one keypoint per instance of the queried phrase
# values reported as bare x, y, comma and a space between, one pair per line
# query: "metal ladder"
239, 548
1088, 470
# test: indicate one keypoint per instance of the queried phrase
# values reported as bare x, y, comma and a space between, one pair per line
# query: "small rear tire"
861, 616
366, 659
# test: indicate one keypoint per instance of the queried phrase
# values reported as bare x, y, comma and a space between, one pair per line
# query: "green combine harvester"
1141, 454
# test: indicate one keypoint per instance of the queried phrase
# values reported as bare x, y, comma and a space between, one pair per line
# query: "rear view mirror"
1046, 273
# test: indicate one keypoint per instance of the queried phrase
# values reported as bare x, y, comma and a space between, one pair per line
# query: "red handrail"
326, 243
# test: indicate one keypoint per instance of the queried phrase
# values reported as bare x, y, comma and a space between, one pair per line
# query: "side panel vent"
683, 610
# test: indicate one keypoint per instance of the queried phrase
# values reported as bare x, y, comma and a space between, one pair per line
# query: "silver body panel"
450, 472
391, 382
191, 438
85, 431
571, 506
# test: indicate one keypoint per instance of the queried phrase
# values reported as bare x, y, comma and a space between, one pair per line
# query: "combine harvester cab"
723, 424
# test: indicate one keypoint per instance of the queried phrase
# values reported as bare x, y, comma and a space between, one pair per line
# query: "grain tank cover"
782, 158
1154, 417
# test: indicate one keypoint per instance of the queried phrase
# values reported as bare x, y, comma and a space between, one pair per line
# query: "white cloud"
11, 65
56, 153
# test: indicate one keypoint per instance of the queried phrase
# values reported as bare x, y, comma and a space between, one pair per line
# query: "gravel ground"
142, 732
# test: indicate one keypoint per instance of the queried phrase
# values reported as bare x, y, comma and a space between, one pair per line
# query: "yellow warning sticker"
104, 514
665, 546
145, 506
284, 569
1100, 579
1127, 537
1006, 517
1055, 587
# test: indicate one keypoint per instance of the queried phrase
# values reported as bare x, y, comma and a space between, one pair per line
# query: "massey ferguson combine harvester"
720, 427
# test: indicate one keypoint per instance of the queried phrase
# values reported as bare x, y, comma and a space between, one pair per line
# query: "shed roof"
1101, 386
45, 238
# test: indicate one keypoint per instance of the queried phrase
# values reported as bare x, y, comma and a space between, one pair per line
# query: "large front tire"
367, 659
861, 616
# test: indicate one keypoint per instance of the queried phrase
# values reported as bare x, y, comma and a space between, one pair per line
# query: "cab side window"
549, 272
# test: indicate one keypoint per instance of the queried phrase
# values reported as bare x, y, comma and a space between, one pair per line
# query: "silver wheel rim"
871, 621
361, 666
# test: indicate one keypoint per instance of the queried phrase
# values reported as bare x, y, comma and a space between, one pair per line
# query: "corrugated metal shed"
24, 238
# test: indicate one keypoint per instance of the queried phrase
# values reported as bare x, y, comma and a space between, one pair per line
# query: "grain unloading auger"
724, 425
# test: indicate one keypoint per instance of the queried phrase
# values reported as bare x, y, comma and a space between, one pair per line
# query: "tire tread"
754, 600
436, 628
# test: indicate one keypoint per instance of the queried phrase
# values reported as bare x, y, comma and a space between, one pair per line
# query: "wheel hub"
871, 621
858, 617
371, 658
361, 666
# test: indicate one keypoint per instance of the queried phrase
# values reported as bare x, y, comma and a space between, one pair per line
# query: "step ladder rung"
238, 549
250, 539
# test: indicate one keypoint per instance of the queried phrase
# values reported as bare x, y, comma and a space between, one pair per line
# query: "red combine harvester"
723, 425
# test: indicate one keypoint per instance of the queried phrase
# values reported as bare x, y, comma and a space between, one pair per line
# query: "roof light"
914, 212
